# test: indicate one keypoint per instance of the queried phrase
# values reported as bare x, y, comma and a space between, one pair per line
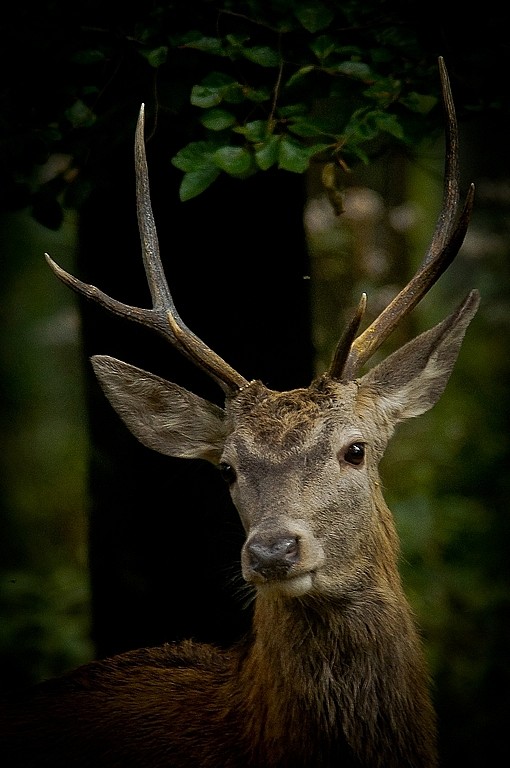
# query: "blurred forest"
446, 473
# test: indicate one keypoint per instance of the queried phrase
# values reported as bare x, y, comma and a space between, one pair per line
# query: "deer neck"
354, 666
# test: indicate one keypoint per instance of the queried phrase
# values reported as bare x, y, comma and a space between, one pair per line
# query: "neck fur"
336, 678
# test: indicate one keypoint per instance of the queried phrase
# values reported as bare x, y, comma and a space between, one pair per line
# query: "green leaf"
361, 127
195, 182
310, 127
205, 96
295, 157
211, 45
419, 102
237, 40
194, 156
266, 154
323, 46
384, 90
217, 79
217, 119
351, 51
384, 121
214, 89
80, 115
200, 170
364, 126
258, 95
236, 161
301, 73
234, 93
256, 130
263, 55
314, 16
291, 110
156, 56
355, 69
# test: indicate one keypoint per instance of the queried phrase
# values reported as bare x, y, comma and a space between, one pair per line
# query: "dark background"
106, 546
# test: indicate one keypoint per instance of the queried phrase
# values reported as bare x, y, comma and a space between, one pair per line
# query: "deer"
333, 670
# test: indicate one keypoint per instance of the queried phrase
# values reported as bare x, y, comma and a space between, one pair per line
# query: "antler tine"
448, 237
163, 317
344, 345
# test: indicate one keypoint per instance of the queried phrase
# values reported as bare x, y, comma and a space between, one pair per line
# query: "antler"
163, 316
448, 236
351, 353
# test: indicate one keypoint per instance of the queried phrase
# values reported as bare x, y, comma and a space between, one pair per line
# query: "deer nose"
272, 557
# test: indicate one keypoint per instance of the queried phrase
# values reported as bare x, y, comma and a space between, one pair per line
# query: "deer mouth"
282, 562
296, 586
290, 585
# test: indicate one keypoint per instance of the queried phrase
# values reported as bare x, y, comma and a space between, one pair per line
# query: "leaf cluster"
297, 82
249, 86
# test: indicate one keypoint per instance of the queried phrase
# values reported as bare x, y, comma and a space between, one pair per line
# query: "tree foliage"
260, 85
285, 87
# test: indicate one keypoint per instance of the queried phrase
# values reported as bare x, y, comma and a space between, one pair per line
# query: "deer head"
302, 465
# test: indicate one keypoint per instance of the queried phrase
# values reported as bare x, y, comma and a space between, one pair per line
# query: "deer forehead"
270, 426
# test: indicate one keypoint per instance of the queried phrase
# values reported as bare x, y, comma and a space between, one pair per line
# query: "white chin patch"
294, 587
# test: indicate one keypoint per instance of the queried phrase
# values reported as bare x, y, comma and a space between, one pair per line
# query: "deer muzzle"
284, 560
272, 557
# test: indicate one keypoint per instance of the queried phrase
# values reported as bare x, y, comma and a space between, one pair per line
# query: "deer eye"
355, 454
227, 472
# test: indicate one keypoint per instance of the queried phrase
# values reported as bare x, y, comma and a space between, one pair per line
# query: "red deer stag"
332, 672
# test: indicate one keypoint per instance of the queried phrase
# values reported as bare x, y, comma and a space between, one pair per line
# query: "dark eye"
355, 454
227, 472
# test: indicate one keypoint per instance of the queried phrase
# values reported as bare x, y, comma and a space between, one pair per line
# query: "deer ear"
160, 414
412, 379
